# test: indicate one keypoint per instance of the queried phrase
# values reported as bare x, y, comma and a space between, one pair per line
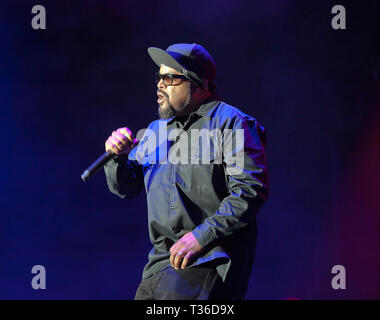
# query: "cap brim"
160, 56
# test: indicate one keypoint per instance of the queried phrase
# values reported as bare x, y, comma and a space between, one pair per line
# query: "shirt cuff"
204, 234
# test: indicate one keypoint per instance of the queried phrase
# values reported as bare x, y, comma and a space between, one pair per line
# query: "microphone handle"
98, 163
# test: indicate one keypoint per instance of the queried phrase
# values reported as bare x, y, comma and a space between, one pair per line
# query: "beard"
166, 109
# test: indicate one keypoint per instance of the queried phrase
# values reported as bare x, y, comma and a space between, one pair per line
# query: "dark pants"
196, 283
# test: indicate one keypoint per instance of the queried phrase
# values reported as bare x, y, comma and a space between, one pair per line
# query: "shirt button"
173, 184
172, 207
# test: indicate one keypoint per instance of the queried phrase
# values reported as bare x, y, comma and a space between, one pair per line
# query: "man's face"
174, 99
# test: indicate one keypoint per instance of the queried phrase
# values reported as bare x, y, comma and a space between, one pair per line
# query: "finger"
116, 144
172, 259
115, 150
173, 255
127, 133
186, 259
110, 147
113, 147
177, 260
174, 247
123, 140
107, 146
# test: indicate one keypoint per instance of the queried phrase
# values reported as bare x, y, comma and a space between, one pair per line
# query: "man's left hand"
183, 250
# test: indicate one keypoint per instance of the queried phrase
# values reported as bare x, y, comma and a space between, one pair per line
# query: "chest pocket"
204, 184
202, 176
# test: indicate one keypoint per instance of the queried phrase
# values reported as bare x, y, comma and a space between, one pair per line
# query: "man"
202, 205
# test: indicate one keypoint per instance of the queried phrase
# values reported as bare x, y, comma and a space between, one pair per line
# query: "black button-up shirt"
197, 187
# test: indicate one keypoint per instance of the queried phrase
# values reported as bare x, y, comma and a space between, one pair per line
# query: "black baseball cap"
192, 60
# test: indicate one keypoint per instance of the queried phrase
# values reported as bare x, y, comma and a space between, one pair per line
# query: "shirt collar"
205, 108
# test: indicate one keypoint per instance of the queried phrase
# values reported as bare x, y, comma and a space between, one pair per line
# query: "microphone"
97, 164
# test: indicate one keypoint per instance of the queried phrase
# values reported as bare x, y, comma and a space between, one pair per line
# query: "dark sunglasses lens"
167, 79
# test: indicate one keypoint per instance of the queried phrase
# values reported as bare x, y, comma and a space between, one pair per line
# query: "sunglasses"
171, 79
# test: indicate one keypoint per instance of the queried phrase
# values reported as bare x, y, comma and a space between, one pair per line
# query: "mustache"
163, 93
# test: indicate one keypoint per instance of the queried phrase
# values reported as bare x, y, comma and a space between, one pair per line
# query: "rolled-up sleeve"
124, 177
247, 181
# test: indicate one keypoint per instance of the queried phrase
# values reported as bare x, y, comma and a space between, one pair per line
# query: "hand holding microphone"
120, 142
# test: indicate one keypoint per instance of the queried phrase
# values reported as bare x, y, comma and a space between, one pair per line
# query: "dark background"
65, 89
